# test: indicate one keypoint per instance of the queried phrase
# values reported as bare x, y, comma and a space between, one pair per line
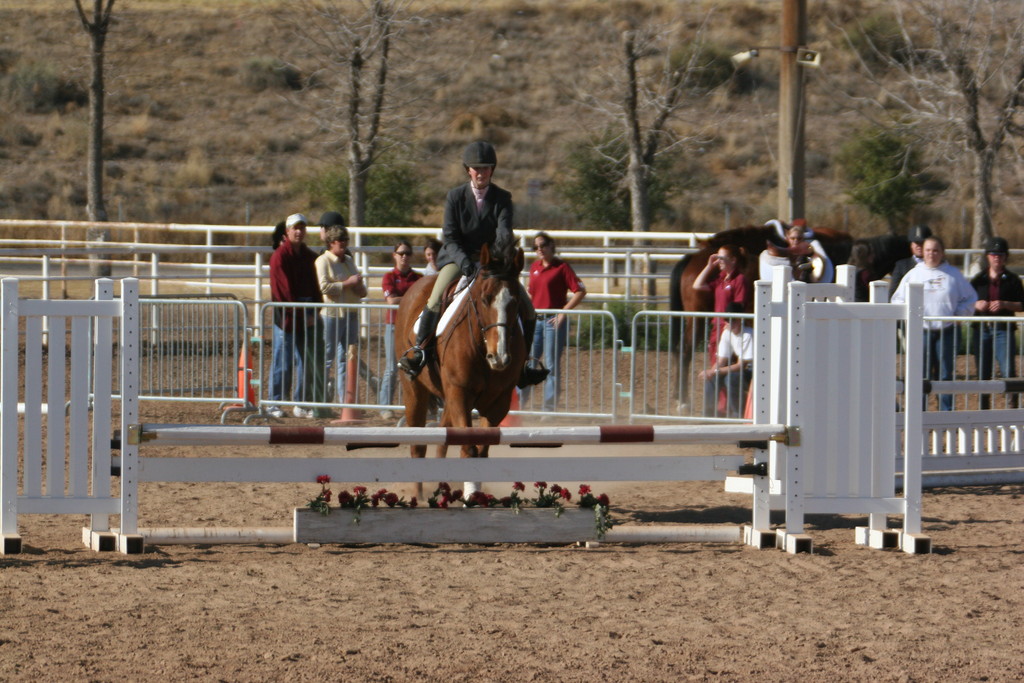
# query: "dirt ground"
495, 613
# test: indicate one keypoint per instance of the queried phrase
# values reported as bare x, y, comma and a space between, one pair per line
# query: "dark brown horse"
751, 241
478, 355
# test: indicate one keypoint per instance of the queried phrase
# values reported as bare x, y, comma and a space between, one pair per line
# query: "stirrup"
413, 365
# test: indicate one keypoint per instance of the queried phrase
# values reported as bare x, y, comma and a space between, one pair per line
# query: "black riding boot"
415, 358
530, 376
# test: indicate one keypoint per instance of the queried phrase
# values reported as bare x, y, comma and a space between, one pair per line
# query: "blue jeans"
338, 334
387, 382
549, 344
302, 350
940, 348
995, 343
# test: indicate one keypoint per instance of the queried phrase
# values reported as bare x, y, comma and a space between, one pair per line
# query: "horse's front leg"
459, 409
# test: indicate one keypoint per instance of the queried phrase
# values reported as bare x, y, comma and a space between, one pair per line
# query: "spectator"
917, 235
860, 259
396, 283
733, 367
551, 280
475, 213
297, 341
801, 251
430, 253
278, 236
946, 293
1000, 293
327, 219
723, 277
340, 283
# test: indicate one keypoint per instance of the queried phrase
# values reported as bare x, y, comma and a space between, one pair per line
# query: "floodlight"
741, 58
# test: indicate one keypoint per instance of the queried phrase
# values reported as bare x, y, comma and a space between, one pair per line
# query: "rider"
475, 214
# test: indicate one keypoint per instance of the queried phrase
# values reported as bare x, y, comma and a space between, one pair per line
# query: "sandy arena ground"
500, 613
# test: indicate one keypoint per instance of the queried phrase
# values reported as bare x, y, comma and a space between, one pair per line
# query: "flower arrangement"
546, 496
357, 500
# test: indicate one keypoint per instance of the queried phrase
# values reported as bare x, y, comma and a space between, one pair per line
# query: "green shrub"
595, 189
35, 87
395, 194
878, 38
263, 73
883, 172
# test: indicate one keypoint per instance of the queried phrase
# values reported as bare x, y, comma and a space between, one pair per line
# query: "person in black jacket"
1000, 293
918, 234
475, 213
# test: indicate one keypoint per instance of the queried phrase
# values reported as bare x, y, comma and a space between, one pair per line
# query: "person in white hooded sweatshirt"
946, 293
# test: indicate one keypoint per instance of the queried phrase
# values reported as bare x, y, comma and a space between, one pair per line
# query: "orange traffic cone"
245, 390
510, 419
351, 376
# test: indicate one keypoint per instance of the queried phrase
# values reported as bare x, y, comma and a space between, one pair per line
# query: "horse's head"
496, 301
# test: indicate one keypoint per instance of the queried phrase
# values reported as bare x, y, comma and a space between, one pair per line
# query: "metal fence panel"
670, 356
190, 349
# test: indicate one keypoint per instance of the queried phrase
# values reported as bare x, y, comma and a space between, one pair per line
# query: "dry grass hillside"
193, 136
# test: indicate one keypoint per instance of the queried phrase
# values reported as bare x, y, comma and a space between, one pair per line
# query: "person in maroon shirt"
1000, 293
298, 338
723, 277
395, 284
551, 280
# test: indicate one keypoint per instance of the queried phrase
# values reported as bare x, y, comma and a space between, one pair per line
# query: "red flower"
603, 499
519, 486
540, 484
506, 502
359, 490
413, 503
556, 489
455, 495
323, 479
327, 495
391, 499
584, 489
565, 494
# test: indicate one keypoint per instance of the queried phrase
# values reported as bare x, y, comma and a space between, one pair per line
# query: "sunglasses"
404, 253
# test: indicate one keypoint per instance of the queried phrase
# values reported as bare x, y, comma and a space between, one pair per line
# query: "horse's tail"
675, 300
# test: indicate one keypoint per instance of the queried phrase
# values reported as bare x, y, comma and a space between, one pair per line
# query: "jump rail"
210, 435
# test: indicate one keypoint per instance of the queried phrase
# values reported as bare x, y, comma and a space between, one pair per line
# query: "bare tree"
354, 46
644, 101
954, 75
97, 28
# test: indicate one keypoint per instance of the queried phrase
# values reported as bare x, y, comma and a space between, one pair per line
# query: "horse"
751, 241
478, 356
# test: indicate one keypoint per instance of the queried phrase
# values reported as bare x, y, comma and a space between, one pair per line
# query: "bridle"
478, 319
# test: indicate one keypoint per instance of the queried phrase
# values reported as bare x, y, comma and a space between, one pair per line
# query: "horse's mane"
502, 264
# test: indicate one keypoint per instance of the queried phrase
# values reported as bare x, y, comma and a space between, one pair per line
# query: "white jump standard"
816, 450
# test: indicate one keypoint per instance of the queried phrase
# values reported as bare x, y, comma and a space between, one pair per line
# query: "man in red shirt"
298, 338
395, 284
551, 280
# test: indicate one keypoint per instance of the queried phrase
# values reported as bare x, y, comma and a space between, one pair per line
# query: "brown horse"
479, 354
751, 241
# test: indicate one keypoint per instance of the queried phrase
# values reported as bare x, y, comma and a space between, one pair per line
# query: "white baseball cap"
294, 219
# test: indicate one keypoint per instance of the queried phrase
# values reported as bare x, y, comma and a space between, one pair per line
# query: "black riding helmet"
479, 153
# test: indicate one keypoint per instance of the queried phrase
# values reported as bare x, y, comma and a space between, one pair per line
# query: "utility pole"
791, 111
